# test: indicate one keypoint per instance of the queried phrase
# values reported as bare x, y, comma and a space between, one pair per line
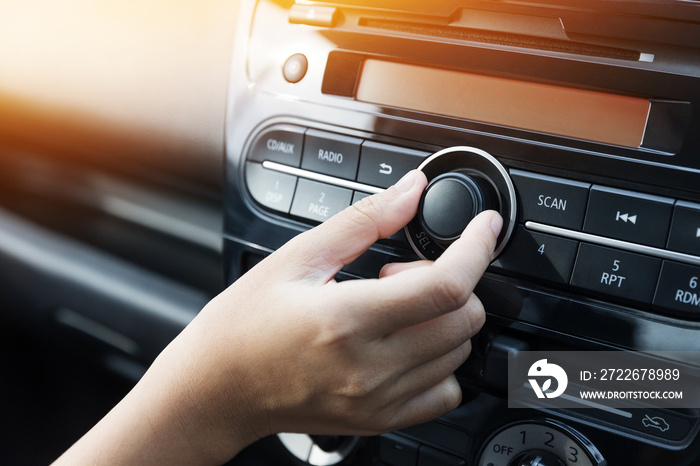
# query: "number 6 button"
679, 290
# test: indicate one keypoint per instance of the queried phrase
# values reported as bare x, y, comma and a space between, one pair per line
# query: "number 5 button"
614, 273
538, 255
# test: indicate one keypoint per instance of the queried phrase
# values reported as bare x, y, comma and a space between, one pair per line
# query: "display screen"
545, 108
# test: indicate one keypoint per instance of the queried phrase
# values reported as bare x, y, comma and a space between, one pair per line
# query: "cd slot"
506, 39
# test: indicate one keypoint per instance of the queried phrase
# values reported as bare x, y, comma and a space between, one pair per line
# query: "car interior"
151, 153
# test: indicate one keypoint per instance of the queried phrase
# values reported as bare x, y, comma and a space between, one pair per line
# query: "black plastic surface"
685, 228
626, 215
618, 274
451, 201
554, 201
546, 315
544, 257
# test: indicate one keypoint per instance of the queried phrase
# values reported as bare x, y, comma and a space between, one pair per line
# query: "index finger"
420, 294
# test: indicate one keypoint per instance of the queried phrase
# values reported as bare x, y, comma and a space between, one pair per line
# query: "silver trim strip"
613, 243
278, 167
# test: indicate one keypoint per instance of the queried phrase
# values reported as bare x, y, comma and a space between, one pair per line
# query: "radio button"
619, 274
383, 165
537, 255
679, 289
319, 201
549, 200
639, 218
270, 189
331, 154
281, 144
685, 228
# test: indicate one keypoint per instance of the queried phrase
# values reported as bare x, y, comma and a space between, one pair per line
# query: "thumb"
341, 239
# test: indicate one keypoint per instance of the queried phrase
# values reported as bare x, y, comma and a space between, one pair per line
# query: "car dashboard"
172, 148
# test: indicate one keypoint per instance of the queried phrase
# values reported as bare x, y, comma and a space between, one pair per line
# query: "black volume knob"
462, 182
451, 201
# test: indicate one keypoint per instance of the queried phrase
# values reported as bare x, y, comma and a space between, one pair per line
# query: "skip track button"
629, 216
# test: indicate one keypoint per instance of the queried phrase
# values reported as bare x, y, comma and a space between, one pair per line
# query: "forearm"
166, 419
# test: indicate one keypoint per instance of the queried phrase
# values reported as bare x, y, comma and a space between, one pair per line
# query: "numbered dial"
462, 182
319, 450
539, 444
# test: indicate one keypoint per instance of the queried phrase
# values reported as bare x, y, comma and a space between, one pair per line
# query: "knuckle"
449, 292
476, 314
359, 387
451, 400
485, 246
333, 333
367, 212
463, 352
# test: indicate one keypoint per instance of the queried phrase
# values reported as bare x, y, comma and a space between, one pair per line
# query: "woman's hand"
287, 349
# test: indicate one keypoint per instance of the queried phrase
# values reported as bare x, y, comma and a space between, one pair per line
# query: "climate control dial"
543, 443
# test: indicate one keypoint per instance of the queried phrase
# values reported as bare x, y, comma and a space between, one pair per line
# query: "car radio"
576, 120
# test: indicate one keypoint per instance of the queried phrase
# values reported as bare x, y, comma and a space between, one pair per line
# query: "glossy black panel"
527, 294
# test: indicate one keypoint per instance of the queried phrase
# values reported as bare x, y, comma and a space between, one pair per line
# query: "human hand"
357, 357
288, 349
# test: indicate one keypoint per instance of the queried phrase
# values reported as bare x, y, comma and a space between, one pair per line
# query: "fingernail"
405, 184
497, 224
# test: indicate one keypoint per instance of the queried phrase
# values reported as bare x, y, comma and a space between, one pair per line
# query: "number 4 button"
539, 256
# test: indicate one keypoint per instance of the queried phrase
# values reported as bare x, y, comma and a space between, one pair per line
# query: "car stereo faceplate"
576, 120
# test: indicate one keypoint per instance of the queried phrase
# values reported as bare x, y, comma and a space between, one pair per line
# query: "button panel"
383, 165
679, 289
270, 189
685, 228
630, 216
282, 144
545, 257
611, 272
319, 201
554, 201
629, 247
331, 154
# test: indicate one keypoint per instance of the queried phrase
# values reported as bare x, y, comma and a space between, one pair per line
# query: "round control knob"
451, 201
539, 443
462, 182
319, 450
538, 458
